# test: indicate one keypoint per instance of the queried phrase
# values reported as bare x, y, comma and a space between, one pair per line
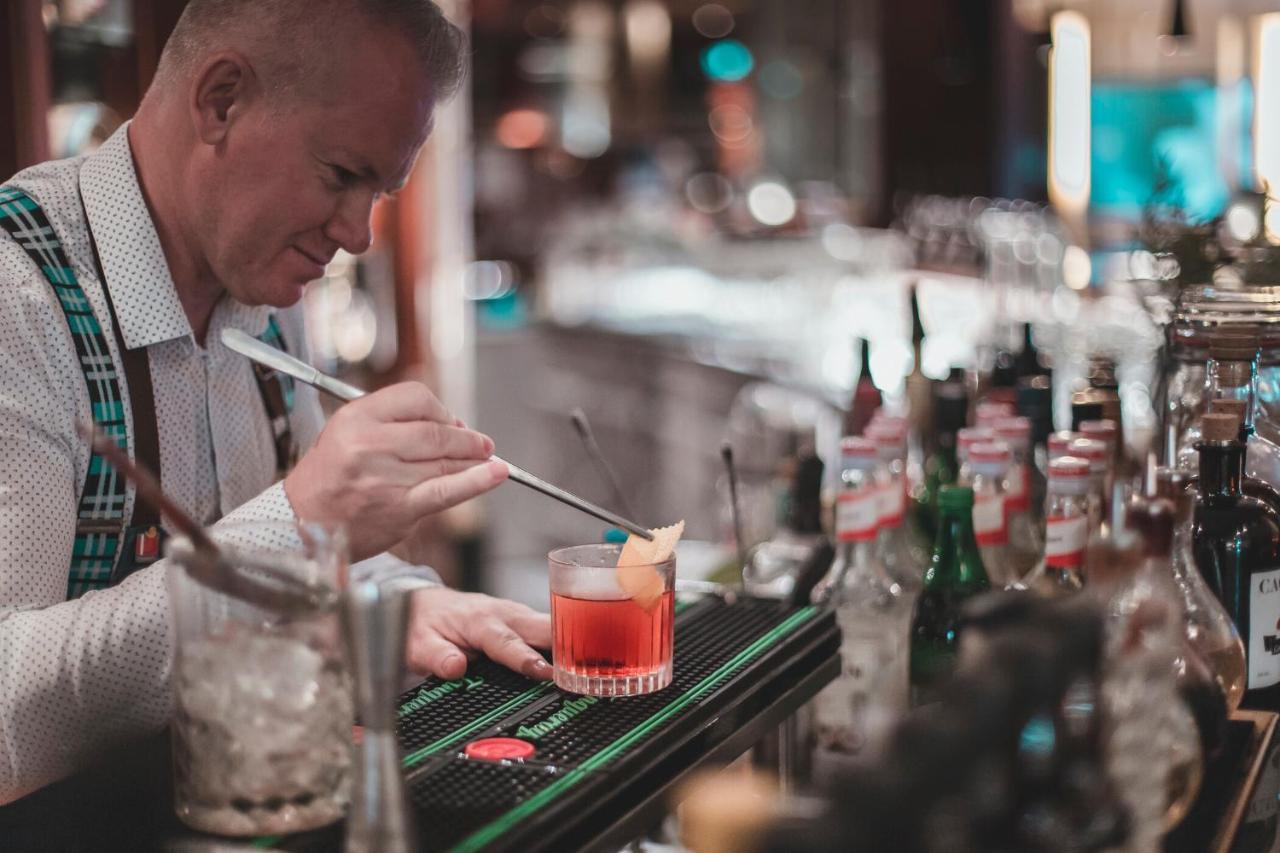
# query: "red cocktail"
604, 643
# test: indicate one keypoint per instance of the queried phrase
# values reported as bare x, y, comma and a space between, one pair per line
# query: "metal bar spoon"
268, 356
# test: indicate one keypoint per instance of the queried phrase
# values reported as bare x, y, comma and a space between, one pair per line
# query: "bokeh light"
713, 20
522, 128
771, 203
727, 60
1077, 268
708, 192
730, 123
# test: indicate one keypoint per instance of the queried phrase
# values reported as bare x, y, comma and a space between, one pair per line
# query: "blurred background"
684, 218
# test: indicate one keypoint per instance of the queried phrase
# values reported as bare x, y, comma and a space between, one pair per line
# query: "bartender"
271, 129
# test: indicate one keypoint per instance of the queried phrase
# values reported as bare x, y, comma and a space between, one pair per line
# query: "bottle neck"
1234, 380
956, 559
1221, 469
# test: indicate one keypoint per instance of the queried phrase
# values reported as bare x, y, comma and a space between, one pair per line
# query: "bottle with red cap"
1095, 453
989, 465
965, 440
988, 412
874, 615
1108, 432
1059, 443
902, 562
1066, 512
1025, 541
866, 396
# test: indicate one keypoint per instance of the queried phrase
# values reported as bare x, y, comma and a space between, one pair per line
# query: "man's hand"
386, 460
445, 624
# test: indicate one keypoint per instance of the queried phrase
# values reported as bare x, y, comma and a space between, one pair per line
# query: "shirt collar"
138, 278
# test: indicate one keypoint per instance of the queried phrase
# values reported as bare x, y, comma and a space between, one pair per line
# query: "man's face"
293, 183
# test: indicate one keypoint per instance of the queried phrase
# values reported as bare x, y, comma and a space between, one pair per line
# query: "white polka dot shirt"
79, 675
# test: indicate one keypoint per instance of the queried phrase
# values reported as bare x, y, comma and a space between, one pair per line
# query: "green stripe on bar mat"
475, 725
497, 827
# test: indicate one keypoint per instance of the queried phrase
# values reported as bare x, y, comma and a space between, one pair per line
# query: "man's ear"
224, 87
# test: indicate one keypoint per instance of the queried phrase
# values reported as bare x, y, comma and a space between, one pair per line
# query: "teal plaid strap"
100, 515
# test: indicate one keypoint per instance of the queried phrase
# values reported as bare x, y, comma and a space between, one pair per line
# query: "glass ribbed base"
614, 685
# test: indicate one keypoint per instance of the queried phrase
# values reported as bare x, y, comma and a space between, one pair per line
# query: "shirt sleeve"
79, 675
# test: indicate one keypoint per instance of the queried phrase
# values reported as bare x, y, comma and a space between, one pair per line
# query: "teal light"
727, 60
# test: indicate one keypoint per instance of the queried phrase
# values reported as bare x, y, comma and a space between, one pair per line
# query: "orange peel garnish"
636, 573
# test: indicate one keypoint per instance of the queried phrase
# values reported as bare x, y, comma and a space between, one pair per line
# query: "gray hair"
310, 26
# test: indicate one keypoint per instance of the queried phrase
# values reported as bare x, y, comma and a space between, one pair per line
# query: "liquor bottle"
955, 573
988, 464
950, 412
965, 440
866, 396
1236, 541
919, 388
1103, 390
1095, 453
874, 615
1155, 749
1066, 528
1026, 543
1029, 361
1107, 432
1035, 402
986, 413
1083, 408
798, 554
1231, 380
902, 559
1059, 443
1207, 626
1231, 373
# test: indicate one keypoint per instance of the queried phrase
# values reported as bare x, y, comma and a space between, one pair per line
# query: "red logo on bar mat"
499, 749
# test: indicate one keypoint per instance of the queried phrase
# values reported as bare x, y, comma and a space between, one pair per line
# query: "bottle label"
1264, 629
1018, 497
1065, 538
892, 503
988, 520
857, 515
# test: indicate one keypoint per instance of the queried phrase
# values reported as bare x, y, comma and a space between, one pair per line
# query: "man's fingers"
534, 628
405, 401
418, 441
430, 654
501, 643
442, 492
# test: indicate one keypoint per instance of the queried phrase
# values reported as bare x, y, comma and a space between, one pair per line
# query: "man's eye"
343, 177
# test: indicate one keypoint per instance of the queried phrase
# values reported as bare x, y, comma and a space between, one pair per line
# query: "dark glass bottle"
1236, 542
1035, 402
866, 397
955, 574
1029, 362
919, 388
950, 413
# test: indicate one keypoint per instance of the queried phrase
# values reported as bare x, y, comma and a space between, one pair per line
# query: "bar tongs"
268, 356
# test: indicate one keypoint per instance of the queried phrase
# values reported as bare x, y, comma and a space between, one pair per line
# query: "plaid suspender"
100, 514
277, 398
100, 519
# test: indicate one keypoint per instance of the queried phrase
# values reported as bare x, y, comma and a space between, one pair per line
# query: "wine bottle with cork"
1236, 542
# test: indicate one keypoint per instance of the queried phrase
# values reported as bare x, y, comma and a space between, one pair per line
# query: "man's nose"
349, 226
